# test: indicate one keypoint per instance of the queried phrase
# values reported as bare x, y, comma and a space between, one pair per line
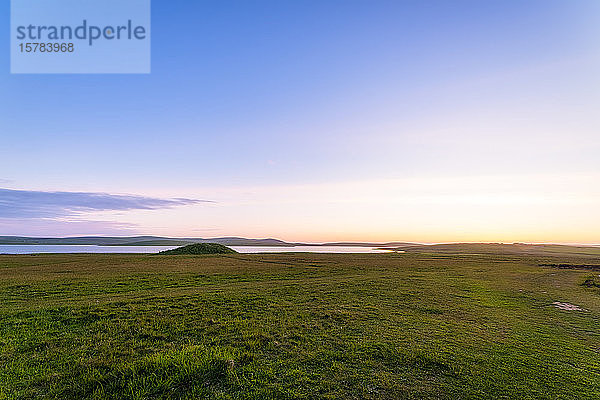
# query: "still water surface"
34, 249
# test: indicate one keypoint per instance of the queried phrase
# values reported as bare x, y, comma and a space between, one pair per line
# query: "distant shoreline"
240, 241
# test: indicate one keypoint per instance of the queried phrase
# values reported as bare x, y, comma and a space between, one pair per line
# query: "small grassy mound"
200, 248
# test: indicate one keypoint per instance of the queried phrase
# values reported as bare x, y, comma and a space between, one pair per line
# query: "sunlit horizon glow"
313, 122
528, 208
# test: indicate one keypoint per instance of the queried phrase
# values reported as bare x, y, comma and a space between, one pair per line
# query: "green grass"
297, 326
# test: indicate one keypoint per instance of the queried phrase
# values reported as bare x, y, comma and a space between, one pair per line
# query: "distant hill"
80, 240
200, 248
138, 241
503, 249
166, 241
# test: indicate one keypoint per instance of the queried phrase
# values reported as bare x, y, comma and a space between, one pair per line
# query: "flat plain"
449, 324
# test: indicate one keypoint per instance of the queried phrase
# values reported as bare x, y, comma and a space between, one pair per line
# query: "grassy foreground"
297, 326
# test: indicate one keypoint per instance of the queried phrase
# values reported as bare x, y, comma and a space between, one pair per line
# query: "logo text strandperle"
82, 32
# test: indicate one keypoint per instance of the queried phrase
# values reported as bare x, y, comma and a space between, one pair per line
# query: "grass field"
298, 326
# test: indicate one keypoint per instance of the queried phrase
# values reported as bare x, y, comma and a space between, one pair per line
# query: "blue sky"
249, 102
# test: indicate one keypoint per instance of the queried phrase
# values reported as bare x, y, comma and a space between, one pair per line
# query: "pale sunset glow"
527, 208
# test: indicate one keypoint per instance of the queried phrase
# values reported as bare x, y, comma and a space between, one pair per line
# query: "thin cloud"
39, 204
58, 227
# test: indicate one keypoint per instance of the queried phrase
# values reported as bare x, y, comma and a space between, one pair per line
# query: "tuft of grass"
592, 281
189, 372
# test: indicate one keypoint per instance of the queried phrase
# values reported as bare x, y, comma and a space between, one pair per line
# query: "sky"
428, 121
